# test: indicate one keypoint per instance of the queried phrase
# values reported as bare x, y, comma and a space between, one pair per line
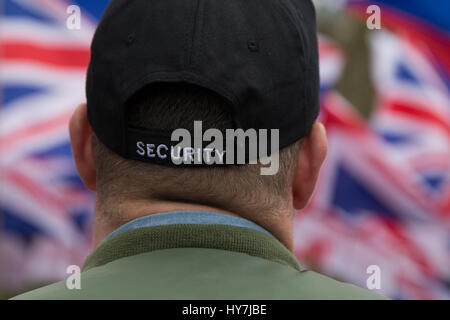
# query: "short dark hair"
168, 106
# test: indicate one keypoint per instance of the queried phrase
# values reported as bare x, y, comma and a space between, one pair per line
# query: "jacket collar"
222, 237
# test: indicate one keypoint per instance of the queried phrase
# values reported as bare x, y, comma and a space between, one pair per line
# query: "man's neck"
279, 225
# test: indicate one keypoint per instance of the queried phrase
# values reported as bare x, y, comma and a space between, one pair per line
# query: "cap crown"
261, 55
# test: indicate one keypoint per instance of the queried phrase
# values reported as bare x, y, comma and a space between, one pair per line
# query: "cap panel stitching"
285, 11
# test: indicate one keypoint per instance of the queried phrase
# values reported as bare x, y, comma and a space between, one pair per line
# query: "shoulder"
193, 273
323, 287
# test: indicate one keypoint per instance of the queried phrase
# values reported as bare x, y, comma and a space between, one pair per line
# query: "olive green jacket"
197, 262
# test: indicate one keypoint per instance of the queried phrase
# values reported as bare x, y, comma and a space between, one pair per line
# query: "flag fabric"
383, 195
365, 211
331, 63
413, 116
423, 22
45, 212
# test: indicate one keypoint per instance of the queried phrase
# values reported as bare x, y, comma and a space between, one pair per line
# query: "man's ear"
80, 137
311, 156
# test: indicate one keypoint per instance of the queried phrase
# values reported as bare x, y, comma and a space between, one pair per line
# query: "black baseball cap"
259, 55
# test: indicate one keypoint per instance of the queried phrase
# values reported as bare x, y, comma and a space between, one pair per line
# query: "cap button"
253, 45
130, 39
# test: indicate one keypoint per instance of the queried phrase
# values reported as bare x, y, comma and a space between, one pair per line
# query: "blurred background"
383, 197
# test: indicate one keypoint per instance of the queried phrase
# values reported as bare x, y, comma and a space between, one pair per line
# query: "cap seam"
187, 39
197, 38
193, 35
286, 11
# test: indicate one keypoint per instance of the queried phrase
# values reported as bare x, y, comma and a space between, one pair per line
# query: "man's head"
167, 107
238, 189
250, 65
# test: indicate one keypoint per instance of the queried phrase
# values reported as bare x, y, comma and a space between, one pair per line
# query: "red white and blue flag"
383, 197
45, 211
368, 210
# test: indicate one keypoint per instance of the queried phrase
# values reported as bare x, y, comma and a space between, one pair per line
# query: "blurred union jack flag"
45, 211
369, 210
383, 197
